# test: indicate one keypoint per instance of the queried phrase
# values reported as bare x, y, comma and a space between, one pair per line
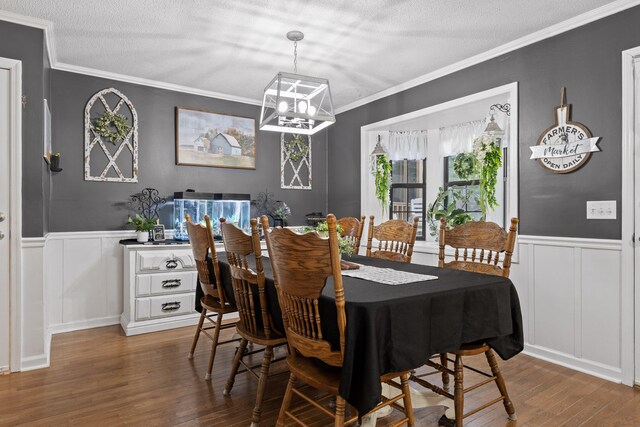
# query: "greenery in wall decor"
488, 155
106, 123
383, 181
297, 148
465, 165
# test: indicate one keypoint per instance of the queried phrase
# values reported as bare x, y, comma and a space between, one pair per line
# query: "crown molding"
553, 30
559, 28
153, 83
28, 21
49, 40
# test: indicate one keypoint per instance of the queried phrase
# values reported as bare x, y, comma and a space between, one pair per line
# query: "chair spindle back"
301, 265
395, 239
201, 239
478, 245
239, 246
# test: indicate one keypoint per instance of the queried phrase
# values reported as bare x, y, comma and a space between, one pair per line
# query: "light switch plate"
605, 209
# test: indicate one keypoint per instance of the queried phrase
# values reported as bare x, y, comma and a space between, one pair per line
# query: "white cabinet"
159, 288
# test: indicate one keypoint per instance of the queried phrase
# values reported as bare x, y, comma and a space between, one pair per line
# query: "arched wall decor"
92, 138
295, 160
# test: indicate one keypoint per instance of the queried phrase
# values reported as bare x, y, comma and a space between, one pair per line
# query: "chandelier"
293, 103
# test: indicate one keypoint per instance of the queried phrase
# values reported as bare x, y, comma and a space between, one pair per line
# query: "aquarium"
235, 208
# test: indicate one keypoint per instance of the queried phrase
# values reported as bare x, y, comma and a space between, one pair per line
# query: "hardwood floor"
101, 377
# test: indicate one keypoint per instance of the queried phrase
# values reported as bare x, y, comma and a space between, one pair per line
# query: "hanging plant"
297, 149
105, 125
489, 158
465, 165
383, 180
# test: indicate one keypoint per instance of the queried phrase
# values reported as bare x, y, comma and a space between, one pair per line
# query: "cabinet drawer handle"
171, 264
170, 306
171, 283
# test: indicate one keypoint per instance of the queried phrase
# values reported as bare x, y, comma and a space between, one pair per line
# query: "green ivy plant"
383, 181
297, 148
105, 125
445, 206
489, 158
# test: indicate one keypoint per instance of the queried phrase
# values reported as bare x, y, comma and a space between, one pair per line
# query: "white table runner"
387, 276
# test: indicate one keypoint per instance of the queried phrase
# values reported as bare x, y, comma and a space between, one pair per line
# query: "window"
465, 193
408, 178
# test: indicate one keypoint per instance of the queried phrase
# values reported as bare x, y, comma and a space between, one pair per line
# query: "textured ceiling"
236, 47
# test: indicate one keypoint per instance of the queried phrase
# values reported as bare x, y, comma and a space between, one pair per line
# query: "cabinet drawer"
164, 306
165, 260
165, 283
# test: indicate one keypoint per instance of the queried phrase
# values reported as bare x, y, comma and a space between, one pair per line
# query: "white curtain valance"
410, 145
459, 138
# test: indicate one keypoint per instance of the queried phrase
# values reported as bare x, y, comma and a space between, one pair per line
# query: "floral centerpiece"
344, 245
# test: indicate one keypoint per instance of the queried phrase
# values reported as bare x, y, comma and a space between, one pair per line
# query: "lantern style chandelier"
296, 104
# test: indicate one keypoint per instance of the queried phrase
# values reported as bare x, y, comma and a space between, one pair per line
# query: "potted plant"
445, 205
280, 214
143, 226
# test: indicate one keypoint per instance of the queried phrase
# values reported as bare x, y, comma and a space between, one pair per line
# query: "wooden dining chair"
301, 265
215, 303
395, 239
255, 325
478, 246
352, 230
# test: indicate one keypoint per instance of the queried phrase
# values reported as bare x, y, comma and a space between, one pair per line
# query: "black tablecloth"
397, 328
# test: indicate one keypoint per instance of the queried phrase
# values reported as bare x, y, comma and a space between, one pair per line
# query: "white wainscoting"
84, 279
570, 293
35, 337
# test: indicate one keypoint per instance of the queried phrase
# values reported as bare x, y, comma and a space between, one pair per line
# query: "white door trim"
629, 351
15, 215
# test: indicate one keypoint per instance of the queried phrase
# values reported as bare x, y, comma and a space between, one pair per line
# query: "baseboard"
35, 362
596, 369
84, 324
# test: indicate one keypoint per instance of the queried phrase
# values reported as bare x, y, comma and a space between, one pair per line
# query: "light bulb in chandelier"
302, 106
312, 110
283, 106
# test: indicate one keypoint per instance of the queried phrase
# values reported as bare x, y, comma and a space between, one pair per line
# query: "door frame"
630, 282
15, 213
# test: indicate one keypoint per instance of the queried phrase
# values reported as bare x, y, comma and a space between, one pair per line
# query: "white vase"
142, 236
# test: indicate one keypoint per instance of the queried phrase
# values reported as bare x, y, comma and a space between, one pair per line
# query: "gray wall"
587, 61
27, 45
77, 205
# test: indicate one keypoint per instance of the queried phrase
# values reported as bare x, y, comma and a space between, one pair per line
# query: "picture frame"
205, 138
158, 233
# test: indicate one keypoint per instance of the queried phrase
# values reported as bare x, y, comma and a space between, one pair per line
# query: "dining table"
396, 328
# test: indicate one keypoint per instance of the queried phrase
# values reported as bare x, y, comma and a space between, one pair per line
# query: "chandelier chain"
295, 57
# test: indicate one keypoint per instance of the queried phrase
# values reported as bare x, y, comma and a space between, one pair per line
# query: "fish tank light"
235, 208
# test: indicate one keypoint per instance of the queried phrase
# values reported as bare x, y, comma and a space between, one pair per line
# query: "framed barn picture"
215, 140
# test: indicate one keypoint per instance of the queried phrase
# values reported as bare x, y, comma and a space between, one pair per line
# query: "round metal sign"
565, 146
